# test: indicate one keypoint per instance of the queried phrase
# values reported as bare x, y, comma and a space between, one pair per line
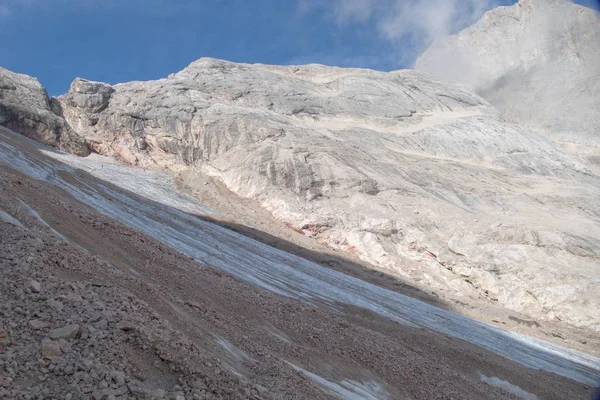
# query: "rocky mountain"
415, 175
420, 177
538, 62
26, 109
255, 231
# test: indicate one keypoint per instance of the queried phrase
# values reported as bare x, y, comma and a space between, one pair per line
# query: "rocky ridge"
26, 109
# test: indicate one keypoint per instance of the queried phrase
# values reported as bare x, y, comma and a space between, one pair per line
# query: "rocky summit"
538, 62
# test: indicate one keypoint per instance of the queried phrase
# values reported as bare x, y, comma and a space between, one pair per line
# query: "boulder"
39, 324
90, 96
51, 349
35, 286
66, 332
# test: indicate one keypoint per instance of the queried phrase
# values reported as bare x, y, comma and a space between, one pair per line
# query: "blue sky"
122, 40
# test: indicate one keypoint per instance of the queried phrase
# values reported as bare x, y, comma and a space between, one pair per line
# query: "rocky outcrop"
26, 109
92, 97
418, 176
538, 62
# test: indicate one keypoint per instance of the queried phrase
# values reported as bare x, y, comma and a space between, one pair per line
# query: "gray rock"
90, 96
126, 326
87, 389
66, 332
55, 304
97, 316
65, 346
4, 339
39, 324
74, 297
121, 390
51, 349
141, 391
25, 108
101, 325
35, 286
118, 378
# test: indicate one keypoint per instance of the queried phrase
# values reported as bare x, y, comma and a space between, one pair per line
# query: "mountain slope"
205, 303
538, 61
415, 175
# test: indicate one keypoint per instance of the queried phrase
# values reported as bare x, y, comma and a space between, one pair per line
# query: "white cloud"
407, 25
4, 11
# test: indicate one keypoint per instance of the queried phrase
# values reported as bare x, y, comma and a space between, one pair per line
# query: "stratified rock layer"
417, 176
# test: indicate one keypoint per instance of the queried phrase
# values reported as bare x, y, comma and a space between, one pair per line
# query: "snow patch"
37, 216
347, 389
7, 218
153, 185
238, 354
508, 387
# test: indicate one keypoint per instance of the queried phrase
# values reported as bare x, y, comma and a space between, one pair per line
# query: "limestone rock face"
538, 62
25, 108
418, 176
90, 96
